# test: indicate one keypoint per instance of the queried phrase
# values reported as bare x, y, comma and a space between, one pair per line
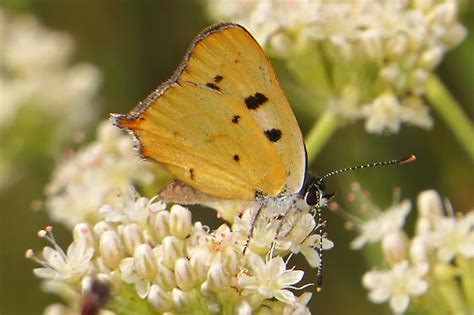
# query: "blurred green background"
137, 45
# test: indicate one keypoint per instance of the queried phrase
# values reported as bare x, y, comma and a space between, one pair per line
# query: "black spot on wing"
273, 134
236, 157
218, 78
191, 173
235, 119
213, 86
255, 101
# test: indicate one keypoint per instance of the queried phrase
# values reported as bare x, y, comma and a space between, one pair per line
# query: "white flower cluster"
420, 264
35, 71
94, 176
370, 58
40, 91
158, 261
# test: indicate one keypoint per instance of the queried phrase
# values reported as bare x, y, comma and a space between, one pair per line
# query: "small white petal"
399, 303
312, 256
290, 277
284, 296
142, 288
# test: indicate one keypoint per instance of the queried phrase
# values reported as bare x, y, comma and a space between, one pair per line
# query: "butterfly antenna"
404, 160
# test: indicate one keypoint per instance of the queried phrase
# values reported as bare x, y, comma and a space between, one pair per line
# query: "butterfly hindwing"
222, 124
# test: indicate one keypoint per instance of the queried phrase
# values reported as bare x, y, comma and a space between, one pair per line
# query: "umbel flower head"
41, 91
157, 261
433, 267
94, 176
360, 59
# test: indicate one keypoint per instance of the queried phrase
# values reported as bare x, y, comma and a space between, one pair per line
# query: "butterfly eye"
312, 196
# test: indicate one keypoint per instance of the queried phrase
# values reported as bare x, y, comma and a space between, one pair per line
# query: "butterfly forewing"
228, 60
189, 130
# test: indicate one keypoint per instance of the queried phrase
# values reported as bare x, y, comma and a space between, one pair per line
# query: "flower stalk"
448, 287
466, 270
320, 133
451, 112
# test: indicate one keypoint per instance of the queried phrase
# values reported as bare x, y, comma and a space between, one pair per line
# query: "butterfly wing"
228, 59
210, 130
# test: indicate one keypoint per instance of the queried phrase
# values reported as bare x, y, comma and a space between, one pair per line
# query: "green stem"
452, 114
448, 287
466, 267
319, 134
453, 296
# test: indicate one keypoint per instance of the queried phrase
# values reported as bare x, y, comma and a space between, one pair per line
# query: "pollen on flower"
29, 253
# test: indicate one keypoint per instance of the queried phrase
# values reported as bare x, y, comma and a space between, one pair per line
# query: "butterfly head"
315, 194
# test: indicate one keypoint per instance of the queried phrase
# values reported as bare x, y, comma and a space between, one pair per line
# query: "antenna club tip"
319, 289
408, 159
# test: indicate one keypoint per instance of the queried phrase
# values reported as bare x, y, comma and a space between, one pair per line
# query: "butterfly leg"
280, 226
252, 227
320, 226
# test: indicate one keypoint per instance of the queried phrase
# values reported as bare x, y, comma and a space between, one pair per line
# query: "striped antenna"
404, 160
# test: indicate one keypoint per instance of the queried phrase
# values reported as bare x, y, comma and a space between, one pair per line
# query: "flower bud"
101, 227
232, 261
217, 277
214, 307
418, 250
430, 204
180, 222
431, 58
423, 5
418, 78
145, 262
396, 45
84, 231
198, 262
422, 226
244, 308
181, 299
111, 249
184, 274
372, 44
159, 299
390, 73
55, 309
172, 250
132, 237
455, 35
443, 12
394, 247
166, 278
160, 223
